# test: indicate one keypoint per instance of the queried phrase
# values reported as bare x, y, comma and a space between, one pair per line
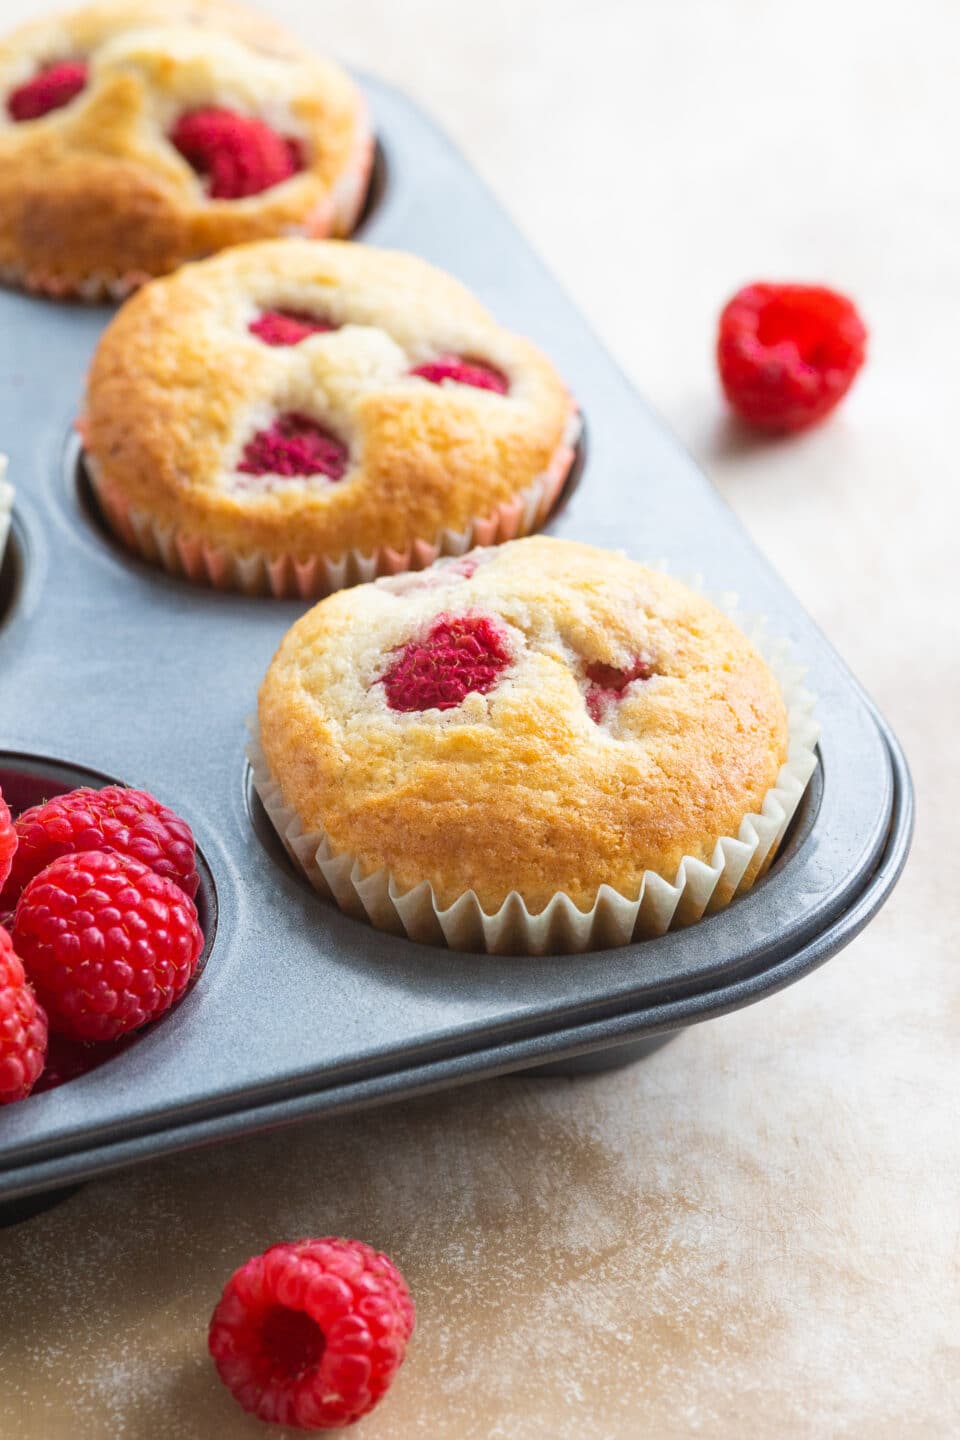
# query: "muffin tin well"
108, 665
12, 572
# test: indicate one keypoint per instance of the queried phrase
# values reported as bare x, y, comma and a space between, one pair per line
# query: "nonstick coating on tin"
110, 665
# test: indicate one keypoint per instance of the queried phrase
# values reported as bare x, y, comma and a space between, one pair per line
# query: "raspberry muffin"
539, 747
138, 134
294, 416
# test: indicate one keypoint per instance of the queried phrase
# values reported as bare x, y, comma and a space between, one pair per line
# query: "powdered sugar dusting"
638, 1254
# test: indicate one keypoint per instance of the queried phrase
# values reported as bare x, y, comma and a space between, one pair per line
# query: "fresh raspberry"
23, 1028
459, 656
311, 1334
464, 372
294, 445
107, 943
240, 154
8, 847
608, 683
788, 353
49, 89
130, 822
287, 327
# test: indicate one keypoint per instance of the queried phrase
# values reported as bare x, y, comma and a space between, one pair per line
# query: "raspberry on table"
460, 656
240, 154
287, 327
107, 943
465, 372
23, 1028
787, 354
294, 445
607, 684
51, 88
8, 846
311, 1334
130, 822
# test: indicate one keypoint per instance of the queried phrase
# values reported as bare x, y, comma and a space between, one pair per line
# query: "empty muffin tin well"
12, 568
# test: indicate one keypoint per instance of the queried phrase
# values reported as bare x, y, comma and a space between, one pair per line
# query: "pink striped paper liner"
288, 577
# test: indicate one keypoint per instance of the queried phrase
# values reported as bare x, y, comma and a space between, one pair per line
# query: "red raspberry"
311, 1334
294, 445
130, 822
608, 683
49, 89
464, 372
23, 1028
788, 353
241, 154
8, 846
108, 944
459, 656
287, 327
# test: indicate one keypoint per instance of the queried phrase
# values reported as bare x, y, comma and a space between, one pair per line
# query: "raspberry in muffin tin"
293, 416
136, 135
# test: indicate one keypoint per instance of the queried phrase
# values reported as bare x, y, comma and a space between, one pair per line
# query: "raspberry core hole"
293, 1343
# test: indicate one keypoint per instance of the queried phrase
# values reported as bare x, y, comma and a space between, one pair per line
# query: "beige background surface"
755, 1232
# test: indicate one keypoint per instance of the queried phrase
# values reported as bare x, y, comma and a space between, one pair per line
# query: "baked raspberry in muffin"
294, 416
139, 134
541, 746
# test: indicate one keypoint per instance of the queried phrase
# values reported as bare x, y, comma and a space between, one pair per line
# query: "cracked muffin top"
302, 399
139, 134
538, 717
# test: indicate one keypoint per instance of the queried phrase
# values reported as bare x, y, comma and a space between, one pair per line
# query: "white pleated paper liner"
6, 506
255, 572
663, 903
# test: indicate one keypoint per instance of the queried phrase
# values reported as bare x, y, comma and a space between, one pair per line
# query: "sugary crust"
95, 189
178, 384
519, 789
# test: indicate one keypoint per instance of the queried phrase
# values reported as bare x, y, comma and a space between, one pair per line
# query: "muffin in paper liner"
288, 577
294, 416
662, 903
98, 195
6, 506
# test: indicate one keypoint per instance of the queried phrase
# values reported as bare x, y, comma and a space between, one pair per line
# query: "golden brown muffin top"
621, 722
95, 189
180, 385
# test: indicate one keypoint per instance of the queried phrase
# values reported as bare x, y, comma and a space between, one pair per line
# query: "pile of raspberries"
99, 931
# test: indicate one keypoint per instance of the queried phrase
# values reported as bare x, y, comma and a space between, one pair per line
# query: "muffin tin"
111, 670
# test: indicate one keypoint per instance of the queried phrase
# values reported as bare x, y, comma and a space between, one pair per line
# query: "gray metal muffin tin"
109, 666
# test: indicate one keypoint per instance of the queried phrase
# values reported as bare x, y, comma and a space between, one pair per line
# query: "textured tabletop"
754, 1231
